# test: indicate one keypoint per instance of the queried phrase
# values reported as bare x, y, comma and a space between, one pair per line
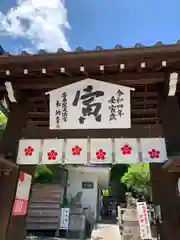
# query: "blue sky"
88, 23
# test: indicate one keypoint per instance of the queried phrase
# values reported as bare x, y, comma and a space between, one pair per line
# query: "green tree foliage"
43, 174
105, 193
50, 174
3, 120
137, 179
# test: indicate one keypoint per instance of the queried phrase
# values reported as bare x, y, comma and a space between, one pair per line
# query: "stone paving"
106, 232
100, 232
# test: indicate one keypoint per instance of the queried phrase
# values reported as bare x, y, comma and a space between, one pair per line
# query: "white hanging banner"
64, 222
52, 151
126, 150
153, 149
90, 104
29, 151
76, 151
143, 218
22, 195
101, 151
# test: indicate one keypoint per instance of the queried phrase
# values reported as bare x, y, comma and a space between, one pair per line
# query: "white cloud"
42, 22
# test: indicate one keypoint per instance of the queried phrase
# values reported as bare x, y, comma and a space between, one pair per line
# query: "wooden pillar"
7, 192
13, 227
164, 184
17, 224
165, 194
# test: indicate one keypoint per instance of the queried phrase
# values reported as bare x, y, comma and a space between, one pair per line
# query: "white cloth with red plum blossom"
52, 151
153, 149
94, 151
126, 150
101, 151
76, 151
28, 152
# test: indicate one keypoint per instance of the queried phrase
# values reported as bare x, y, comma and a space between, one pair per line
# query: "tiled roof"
80, 49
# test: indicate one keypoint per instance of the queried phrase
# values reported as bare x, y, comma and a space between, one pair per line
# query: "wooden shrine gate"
151, 71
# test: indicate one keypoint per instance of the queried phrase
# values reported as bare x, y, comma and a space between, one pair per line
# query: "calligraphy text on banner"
143, 218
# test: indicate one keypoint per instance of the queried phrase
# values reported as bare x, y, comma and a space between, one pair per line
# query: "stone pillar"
164, 184
13, 227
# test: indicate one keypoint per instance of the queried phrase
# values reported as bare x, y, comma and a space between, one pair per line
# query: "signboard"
144, 224
87, 185
22, 195
64, 222
90, 104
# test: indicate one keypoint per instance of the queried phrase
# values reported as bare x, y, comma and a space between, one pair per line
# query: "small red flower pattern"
21, 176
52, 155
154, 153
100, 154
126, 150
28, 151
76, 150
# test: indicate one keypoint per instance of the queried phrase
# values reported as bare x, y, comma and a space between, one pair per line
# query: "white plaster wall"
89, 196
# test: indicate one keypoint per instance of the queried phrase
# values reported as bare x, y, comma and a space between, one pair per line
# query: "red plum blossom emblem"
52, 155
126, 149
154, 153
21, 176
76, 150
100, 154
28, 151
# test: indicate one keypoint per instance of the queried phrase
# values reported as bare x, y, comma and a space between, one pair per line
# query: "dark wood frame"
153, 113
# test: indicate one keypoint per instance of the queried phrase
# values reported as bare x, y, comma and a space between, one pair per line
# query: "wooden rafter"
136, 131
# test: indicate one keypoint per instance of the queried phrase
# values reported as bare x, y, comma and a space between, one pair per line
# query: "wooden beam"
39, 97
139, 120
127, 79
146, 120
134, 112
4, 163
136, 94
148, 111
155, 52
133, 132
